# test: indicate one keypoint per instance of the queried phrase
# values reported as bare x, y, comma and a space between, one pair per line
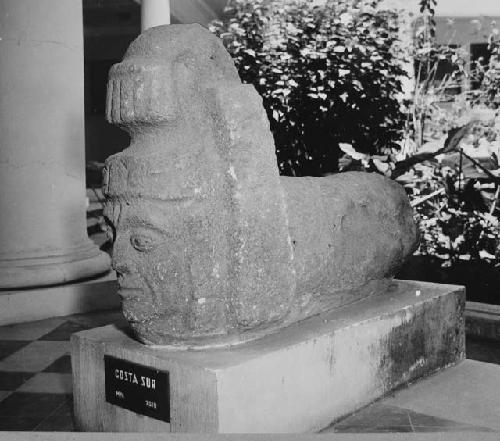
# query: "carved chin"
170, 332
137, 310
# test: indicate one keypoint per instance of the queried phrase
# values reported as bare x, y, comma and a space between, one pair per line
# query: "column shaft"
42, 154
154, 13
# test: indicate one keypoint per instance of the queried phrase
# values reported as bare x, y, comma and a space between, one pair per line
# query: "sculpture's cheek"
165, 279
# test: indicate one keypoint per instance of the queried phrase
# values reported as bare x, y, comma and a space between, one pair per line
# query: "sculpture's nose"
120, 260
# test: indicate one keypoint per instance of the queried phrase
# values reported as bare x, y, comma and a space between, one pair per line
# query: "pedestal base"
298, 380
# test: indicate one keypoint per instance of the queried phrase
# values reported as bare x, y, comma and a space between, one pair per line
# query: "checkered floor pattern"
36, 385
35, 371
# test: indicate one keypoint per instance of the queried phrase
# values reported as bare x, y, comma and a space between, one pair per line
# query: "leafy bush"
328, 74
452, 169
329, 79
455, 222
488, 74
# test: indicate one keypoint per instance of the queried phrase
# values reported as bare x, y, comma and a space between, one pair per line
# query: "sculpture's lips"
130, 293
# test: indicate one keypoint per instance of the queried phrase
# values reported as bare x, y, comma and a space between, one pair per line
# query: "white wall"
454, 8
467, 7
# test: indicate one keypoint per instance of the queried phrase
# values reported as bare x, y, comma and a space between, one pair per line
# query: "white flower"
483, 254
349, 150
345, 18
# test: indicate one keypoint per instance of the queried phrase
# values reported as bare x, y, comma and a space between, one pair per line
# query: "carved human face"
167, 260
166, 194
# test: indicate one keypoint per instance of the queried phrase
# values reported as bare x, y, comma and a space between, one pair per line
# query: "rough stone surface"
212, 246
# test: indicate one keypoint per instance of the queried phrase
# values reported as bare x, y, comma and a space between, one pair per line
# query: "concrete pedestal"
43, 232
298, 380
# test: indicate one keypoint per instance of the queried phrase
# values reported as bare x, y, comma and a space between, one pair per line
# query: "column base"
28, 305
27, 272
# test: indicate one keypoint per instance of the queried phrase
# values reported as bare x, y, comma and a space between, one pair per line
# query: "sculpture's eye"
142, 242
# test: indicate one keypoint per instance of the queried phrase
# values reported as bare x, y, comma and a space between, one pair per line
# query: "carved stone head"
177, 197
211, 245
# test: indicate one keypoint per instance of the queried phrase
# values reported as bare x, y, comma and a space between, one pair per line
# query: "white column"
154, 13
43, 236
407, 11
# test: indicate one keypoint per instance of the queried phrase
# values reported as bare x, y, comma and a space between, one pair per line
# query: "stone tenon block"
211, 245
300, 379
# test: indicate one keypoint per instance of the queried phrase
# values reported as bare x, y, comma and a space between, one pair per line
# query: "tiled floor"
35, 371
381, 418
36, 389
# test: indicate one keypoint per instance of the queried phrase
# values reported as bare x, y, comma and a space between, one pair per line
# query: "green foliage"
455, 224
488, 74
427, 11
327, 74
450, 165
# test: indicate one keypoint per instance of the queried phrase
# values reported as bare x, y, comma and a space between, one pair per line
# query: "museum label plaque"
137, 388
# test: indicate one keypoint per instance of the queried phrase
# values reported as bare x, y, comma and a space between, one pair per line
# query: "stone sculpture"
212, 247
